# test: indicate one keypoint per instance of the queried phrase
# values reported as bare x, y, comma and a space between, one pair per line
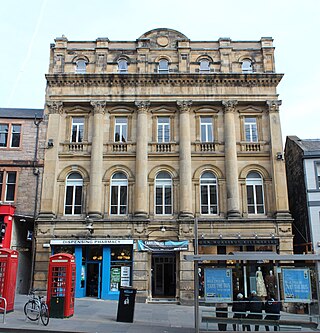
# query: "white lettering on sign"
90, 241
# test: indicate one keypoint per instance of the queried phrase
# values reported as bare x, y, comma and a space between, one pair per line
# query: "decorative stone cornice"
273, 106
55, 107
184, 106
99, 107
229, 105
143, 106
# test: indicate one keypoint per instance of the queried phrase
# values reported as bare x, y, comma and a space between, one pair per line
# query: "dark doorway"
163, 275
93, 280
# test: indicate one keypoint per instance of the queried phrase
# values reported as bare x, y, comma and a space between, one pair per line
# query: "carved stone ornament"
55, 107
162, 41
184, 106
274, 105
229, 105
143, 106
98, 106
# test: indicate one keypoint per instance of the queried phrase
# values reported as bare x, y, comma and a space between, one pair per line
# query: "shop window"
121, 129
10, 135
246, 66
163, 129
122, 66
163, 194
81, 66
8, 181
77, 129
255, 197
251, 129
163, 67
73, 197
121, 267
209, 193
119, 194
206, 129
204, 66
94, 253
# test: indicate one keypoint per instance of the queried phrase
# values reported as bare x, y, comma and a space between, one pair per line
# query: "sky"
28, 28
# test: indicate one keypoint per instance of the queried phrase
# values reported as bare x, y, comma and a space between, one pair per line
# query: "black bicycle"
36, 307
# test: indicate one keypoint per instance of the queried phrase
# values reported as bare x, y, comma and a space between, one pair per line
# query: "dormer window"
81, 66
247, 66
122, 66
204, 66
163, 67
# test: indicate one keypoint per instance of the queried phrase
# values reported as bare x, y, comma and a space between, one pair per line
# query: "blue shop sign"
218, 285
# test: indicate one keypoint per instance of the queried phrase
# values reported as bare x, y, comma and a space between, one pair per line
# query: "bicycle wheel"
44, 314
31, 310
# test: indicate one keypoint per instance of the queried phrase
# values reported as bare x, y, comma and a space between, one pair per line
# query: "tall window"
209, 194
10, 135
163, 67
251, 130
119, 194
73, 200
163, 195
318, 175
121, 129
77, 129
163, 129
8, 181
81, 66
255, 198
206, 129
246, 66
122, 66
204, 66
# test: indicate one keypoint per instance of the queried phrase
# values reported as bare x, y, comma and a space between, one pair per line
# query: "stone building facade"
22, 133
148, 135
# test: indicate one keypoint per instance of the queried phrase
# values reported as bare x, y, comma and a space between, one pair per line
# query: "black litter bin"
127, 299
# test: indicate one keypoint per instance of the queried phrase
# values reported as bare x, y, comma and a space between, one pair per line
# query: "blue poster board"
218, 285
296, 285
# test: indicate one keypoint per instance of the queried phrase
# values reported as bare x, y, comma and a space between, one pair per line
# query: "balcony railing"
251, 146
75, 147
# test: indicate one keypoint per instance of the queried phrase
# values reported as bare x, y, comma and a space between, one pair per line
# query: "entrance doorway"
163, 275
93, 288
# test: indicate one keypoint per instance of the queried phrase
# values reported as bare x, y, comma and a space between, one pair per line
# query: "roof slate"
21, 113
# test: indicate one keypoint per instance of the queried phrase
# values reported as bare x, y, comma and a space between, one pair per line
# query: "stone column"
141, 189
231, 162
277, 161
185, 159
49, 190
96, 163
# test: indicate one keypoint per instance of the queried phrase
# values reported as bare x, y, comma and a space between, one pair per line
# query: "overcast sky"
28, 27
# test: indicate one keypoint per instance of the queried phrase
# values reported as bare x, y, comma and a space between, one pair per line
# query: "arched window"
81, 66
73, 199
204, 66
119, 194
163, 194
255, 200
122, 66
163, 67
247, 66
208, 193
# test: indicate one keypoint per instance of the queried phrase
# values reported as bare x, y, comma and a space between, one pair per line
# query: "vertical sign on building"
218, 285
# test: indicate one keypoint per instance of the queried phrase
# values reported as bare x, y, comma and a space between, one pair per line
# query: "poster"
218, 285
115, 279
125, 276
296, 285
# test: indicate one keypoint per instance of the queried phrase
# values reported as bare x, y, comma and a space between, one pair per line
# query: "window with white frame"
81, 66
318, 174
255, 197
163, 67
163, 194
246, 66
163, 129
204, 66
10, 135
8, 180
122, 66
206, 129
77, 129
73, 196
208, 193
120, 129
119, 194
251, 129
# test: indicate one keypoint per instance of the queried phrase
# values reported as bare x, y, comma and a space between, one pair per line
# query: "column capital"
99, 107
184, 105
230, 105
143, 106
55, 107
273, 106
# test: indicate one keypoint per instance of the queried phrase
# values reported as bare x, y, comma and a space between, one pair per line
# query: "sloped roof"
309, 146
21, 113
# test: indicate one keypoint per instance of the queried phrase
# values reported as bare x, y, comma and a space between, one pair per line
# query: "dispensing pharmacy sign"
296, 285
218, 285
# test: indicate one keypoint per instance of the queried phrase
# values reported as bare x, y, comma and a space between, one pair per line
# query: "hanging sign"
218, 285
162, 245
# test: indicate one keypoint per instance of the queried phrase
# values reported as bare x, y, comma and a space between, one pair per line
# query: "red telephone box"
8, 276
61, 285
